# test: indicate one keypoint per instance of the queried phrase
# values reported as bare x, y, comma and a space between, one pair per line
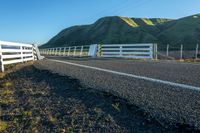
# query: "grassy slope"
109, 30
131, 30
183, 31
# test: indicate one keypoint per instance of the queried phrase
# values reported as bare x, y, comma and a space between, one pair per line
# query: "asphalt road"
167, 103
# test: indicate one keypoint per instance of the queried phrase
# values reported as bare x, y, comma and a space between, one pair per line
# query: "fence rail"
67, 51
105, 50
11, 53
126, 50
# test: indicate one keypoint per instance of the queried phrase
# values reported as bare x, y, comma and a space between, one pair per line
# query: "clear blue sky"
36, 21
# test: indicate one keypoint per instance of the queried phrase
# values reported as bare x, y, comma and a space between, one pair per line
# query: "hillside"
110, 30
182, 31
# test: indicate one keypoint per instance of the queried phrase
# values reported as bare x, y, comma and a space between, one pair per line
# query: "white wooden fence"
11, 53
66, 51
138, 51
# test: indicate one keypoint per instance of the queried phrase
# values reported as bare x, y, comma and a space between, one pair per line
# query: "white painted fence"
138, 51
11, 53
67, 51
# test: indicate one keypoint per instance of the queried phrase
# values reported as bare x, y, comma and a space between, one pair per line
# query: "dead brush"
6, 92
3, 126
7, 84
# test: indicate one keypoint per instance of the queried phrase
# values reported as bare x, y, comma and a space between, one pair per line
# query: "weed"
71, 130
7, 101
116, 106
191, 60
2, 75
7, 92
98, 112
52, 119
8, 84
3, 126
27, 113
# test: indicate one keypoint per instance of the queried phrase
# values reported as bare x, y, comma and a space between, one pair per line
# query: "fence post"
56, 51
181, 56
33, 54
64, 51
60, 51
120, 50
21, 49
100, 49
197, 51
74, 50
1, 60
167, 50
151, 51
81, 51
155, 51
51, 51
69, 51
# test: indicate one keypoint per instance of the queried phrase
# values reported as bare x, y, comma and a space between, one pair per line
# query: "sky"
37, 21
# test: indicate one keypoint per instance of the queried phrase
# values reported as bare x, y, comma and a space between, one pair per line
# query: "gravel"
170, 106
44, 101
179, 72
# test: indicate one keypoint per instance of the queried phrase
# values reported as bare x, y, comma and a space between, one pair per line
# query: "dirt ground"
33, 100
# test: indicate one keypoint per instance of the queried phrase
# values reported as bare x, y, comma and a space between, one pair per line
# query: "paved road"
165, 102
171, 71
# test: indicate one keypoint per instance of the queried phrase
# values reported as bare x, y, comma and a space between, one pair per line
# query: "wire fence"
179, 52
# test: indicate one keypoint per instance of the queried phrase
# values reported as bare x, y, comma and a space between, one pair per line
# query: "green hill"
112, 30
182, 31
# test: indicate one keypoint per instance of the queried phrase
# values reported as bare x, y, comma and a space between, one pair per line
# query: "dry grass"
51, 118
6, 92
116, 106
191, 60
2, 74
7, 84
27, 113
129, 21
3, 126
7, 101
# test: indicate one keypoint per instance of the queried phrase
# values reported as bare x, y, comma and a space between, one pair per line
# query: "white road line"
132, 75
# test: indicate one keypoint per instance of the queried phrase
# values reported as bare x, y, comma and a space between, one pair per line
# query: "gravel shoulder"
36, 100
171, 106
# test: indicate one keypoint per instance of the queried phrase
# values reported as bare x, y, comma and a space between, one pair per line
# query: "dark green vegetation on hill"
110, 30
